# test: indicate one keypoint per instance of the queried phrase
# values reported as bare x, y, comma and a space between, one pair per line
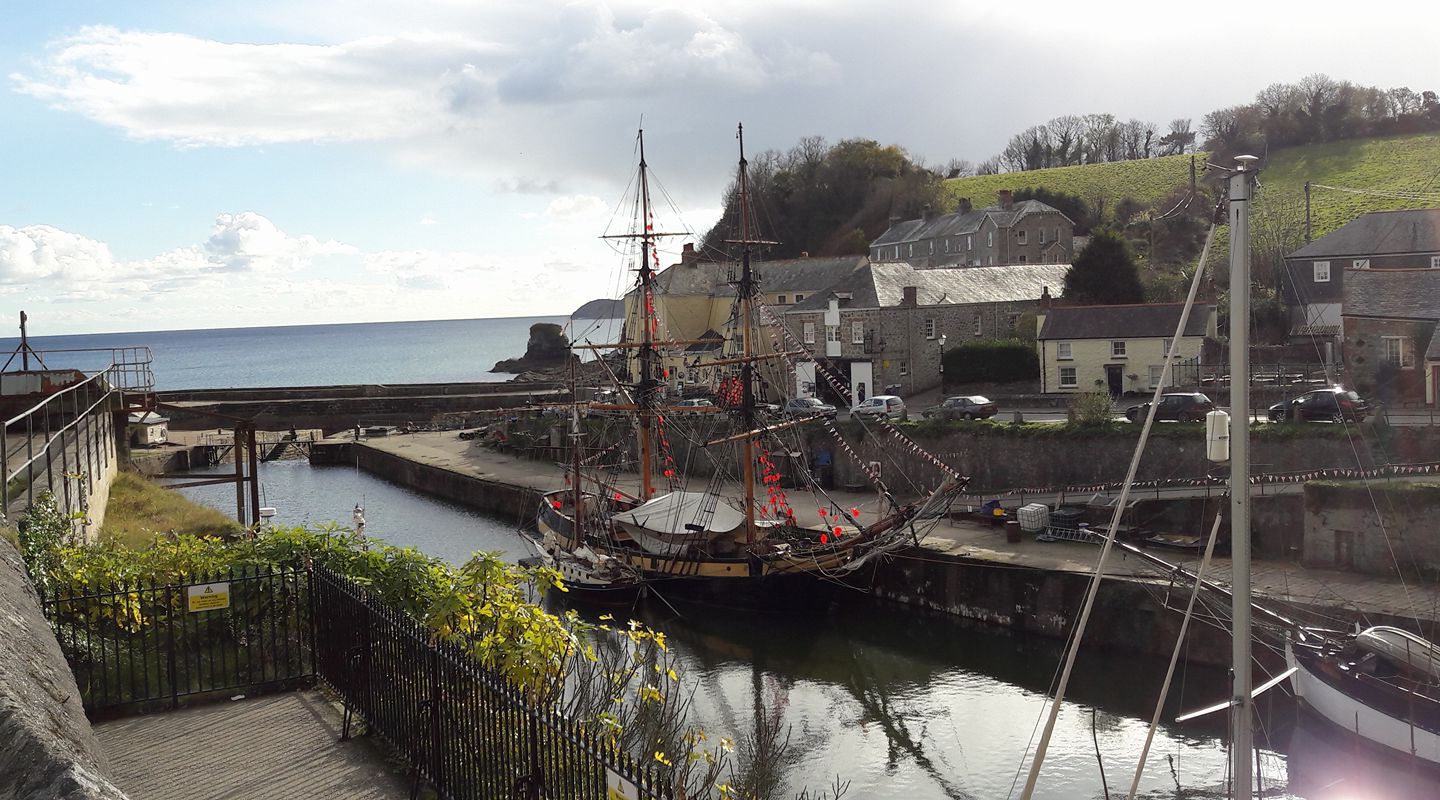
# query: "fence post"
170, 646
536, 777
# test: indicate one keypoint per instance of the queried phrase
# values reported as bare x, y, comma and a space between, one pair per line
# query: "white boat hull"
1358, 718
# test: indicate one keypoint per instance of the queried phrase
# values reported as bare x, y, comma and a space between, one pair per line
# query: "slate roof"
1433, 352
1149, 321
1392, 293
917, 230
883, 283
1380, 233
781, 275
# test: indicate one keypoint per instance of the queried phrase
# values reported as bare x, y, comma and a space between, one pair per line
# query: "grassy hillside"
1404, 164
141, 509
1146, 181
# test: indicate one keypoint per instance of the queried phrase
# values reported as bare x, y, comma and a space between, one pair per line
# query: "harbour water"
443, 351
900, 703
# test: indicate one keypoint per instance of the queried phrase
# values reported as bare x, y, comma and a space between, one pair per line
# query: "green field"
1405, 164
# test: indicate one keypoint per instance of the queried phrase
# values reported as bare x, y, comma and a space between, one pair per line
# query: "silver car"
881, 404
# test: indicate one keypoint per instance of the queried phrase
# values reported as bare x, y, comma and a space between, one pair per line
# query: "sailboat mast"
1242, 746
747, 369
647, 385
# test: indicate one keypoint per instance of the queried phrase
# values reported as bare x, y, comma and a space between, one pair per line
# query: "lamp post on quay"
942, 363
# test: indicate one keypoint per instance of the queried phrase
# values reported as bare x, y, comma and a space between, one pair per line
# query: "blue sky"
180, 165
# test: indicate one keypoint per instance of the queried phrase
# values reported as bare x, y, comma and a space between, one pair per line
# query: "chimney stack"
688, 254
964, 206
910, 297
1007, 199
1046, 301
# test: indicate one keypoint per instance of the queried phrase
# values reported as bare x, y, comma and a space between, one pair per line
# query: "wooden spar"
667, 409
637, 345
752, 359
754, 433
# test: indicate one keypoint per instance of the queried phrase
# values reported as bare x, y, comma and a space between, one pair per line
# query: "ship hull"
1370, 713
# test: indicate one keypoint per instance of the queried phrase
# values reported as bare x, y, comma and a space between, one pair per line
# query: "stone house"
886, 325
1392, 345
1313, 284
1028, 232
1118, 348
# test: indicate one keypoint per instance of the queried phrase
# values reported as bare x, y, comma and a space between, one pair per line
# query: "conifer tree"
1104, 273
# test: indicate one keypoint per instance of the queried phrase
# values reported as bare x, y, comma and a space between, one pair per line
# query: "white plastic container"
1217, 436
1034, 517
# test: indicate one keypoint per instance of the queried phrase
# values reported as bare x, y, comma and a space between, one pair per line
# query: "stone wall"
47, 749
1372, 528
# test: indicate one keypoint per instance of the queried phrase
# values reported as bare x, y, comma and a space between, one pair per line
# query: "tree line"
1317, 108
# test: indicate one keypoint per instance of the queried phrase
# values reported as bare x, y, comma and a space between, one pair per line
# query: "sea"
438, 351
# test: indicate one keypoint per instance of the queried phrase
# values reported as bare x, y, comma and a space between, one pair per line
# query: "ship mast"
746, 288
647, 385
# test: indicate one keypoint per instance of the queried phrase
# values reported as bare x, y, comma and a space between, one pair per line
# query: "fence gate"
142, 646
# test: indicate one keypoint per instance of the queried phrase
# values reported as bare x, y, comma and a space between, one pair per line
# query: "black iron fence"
139, 646
463, 728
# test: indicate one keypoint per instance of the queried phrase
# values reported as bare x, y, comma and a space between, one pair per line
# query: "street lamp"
942, 363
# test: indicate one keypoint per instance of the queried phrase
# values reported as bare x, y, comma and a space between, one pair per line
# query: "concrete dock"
962, 566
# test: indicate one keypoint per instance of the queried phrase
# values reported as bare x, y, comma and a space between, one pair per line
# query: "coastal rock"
600, 309
547, 349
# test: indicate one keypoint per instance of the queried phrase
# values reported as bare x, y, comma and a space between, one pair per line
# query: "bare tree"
1137, 139
1065, 134
1180, 139
990, 166
959, 168
1404, 101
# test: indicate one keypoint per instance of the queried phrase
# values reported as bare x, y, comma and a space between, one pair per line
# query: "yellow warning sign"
617, 788
208, 596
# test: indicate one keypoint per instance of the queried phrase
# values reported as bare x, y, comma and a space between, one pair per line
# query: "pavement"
276, 747
965, 537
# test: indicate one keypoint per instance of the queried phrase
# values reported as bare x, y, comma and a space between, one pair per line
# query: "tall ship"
713, 498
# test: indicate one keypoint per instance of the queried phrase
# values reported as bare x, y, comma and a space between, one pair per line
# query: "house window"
977, 326
1165, 347
799, 297
969, 241
1063, 352
832, 333
1361, 263
1067, 378
692, 375
904, 368
1322, 271
780, 300
1117, 349
857, 333
910, 250
929, 329
947, 245
990, 238
1019, 237
1155, 370
1434, 262
1042, 236
932, 247
1399, 352
1022, 259
809, 334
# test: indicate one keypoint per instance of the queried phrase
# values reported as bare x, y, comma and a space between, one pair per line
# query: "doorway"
1115, 378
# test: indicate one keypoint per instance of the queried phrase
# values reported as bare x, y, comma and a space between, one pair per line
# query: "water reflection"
905, 703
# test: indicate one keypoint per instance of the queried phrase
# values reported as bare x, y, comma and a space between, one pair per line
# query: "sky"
169, 165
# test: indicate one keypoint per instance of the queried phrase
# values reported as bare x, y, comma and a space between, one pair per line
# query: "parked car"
1335, 404
807, 406
1177, 406
881, 404
965, 407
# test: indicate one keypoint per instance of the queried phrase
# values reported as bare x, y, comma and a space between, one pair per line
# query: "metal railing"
74, 429
139, 646
460, 726
463, 728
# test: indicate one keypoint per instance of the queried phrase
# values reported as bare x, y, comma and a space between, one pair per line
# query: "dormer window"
1322, 271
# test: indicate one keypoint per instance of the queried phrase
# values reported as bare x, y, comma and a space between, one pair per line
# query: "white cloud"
42, 252
575, 205
250, 242
426, 221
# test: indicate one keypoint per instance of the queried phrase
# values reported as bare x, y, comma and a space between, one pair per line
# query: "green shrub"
992, 361
1091, 409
